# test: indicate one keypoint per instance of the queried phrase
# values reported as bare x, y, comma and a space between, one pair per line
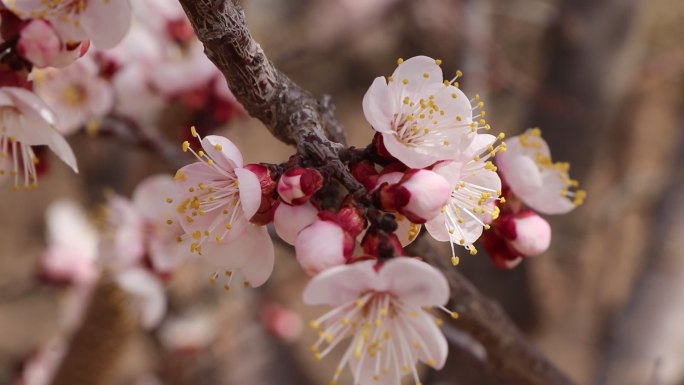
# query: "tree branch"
294, 116
510, 356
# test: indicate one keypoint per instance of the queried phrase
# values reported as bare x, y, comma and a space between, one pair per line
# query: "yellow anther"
218, 147
459, 73
169, 221
405, 81
455, 261
399, 61
426, 75
438, 62
186, 146
193, 131
455, 315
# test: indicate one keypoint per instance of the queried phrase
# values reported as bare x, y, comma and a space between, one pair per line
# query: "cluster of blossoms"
99, 65
430, 163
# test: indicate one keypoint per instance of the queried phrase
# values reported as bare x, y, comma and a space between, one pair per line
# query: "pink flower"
382, 308
71, 255
282, 322
419, 195
322, 245
297, 185
77, 94
544, 186
422, 118
217, 197
290, 220
26, 121
475, 188
105, 22
39, 43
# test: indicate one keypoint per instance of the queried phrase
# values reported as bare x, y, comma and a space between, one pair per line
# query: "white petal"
339, 285
377, 106
250, 191
259, 265
106, 21
414, 282
222, 151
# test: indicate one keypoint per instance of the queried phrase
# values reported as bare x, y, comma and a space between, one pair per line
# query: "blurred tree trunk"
646, 340
592, 52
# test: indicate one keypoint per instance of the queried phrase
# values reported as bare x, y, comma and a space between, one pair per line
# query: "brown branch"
98, 344
294, 116
510, 356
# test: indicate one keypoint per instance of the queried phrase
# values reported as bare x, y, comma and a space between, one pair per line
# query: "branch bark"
294, 116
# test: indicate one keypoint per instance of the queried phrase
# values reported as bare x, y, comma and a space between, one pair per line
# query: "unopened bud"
290, 220
297, 185
419, 195
532, 234
320, 246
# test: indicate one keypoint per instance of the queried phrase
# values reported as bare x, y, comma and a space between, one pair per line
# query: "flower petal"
414, 70
259, 266
377, 106
414, 282
250, 191
222, 151
106, 22
341, 284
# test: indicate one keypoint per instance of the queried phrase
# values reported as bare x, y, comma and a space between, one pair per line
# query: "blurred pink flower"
188, 333
422, 118
105, 22
71, 255
382, 308
26, 121
77, 94
42, 365
144, 227
39, 43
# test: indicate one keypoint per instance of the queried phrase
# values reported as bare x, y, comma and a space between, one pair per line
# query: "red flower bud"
297, 185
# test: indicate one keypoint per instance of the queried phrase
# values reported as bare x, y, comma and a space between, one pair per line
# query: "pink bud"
297, 185
39, 43
532, 234
419, 195
290, 220
321, 246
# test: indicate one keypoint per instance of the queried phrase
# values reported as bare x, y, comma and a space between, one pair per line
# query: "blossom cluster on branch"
432, 162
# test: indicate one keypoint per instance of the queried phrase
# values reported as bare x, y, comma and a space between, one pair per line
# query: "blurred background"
604, 79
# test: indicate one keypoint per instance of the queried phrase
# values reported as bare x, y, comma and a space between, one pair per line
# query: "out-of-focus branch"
95, 348
294, 116
510, 356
